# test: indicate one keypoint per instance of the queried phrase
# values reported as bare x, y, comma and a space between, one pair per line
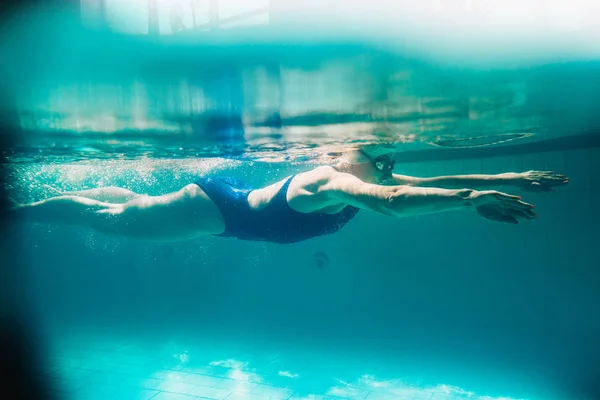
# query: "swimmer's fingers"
517, 207
543, 181
505, 208
506, 197
552, 178
513, 201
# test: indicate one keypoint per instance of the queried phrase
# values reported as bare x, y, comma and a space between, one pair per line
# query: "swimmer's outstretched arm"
538, 181
401, 200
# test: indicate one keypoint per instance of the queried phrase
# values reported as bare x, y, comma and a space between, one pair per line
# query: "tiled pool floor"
91, 365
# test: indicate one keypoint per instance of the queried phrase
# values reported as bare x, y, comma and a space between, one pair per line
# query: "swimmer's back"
270, 217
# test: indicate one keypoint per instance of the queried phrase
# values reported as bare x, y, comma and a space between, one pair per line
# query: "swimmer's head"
371, 164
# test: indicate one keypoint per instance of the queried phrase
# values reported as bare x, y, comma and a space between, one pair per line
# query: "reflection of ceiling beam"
152, 18
213, 11
103, 13
234, 18
194, 13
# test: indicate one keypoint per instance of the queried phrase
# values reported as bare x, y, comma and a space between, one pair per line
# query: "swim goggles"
382, 163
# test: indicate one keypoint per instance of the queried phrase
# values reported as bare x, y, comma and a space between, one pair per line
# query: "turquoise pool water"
444, 306
432, 307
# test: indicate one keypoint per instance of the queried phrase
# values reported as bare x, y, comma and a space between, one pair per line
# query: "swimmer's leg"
181, 215
111, 194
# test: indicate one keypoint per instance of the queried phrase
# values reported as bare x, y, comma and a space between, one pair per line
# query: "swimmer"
302, 206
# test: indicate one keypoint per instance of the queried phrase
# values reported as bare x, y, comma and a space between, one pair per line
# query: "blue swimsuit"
276, 222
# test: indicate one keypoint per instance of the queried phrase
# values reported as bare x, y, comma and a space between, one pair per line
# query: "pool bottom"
98, 364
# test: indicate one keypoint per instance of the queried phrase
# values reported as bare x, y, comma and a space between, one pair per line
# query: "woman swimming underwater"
302, 206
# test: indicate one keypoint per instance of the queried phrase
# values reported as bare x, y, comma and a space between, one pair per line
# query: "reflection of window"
216, 14
173, 16
129, 16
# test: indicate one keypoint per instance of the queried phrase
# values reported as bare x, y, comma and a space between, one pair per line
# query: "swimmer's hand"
540, 181
501, 207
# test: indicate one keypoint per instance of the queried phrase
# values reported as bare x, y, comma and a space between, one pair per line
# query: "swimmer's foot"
12, 203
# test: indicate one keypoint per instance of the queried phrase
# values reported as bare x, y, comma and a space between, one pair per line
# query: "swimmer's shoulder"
314, 178
303, 183
322, 172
